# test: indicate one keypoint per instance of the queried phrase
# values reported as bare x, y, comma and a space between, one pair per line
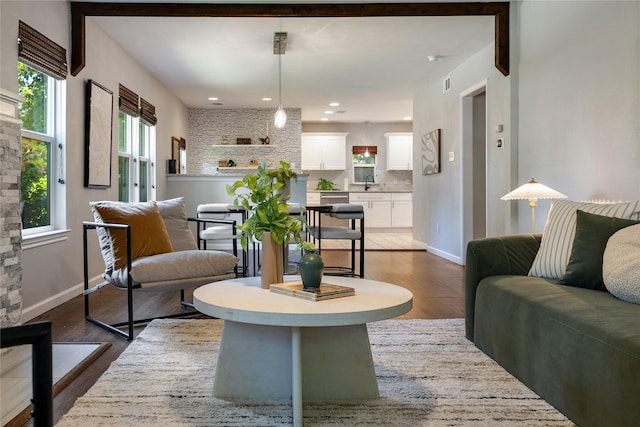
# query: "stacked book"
324, 292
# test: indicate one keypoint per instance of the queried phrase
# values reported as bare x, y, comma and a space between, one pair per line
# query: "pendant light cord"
280, 79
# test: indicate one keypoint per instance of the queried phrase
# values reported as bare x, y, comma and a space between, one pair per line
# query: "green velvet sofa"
579, 349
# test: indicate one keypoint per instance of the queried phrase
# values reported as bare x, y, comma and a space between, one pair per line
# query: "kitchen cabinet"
324, 151
377, 208
385, 209
399, 150
401, 210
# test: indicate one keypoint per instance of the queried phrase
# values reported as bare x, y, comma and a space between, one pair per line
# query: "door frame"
466, 169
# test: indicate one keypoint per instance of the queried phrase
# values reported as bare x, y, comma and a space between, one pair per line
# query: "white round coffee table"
277, 346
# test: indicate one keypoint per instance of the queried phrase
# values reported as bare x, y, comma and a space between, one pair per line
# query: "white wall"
579, 100
53, 273
437, 206
571, 110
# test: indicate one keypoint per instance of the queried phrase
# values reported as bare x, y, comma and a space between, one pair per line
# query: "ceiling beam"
80, 10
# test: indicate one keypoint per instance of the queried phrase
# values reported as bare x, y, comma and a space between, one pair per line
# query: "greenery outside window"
136, 144
42, 114
364, 164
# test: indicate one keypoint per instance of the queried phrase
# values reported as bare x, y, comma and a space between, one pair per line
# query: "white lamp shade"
280, 118
533, 190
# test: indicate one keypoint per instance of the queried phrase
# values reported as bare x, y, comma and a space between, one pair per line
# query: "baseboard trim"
445, 255
53, 301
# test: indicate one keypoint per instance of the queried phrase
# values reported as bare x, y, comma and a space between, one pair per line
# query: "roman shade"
148, 112
128, 101
361, 149
41, 53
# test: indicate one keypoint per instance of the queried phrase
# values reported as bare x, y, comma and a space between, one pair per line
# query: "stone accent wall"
207, 128
10, 221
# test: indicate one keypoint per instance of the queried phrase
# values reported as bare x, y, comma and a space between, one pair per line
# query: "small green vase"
311, 267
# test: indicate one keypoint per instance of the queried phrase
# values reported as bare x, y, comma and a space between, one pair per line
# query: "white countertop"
359, 191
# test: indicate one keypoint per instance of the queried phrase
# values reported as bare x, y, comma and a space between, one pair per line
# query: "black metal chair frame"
317, 212
202, 225
39, 335
131, 321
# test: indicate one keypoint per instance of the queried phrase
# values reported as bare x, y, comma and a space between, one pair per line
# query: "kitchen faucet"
366, 182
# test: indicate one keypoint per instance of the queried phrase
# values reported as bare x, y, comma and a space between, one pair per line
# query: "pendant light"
279, 46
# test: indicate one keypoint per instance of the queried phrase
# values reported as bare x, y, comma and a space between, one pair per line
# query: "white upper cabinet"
324, 151
399, 150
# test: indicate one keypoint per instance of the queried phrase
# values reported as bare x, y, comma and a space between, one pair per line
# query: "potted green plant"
269, 220
324, 184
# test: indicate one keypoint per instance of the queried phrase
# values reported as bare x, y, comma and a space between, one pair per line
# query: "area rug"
428, 373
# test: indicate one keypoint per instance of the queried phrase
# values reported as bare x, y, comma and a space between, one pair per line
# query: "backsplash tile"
207, 128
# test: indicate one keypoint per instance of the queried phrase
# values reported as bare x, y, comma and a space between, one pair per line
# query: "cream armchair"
149, 247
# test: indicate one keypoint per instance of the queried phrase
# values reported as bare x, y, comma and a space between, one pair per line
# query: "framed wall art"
431, 152
98, 136
179, 154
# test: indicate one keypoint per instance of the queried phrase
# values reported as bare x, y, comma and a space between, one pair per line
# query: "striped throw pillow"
557, 238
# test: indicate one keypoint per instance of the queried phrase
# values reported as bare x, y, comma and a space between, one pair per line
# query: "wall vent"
446, 84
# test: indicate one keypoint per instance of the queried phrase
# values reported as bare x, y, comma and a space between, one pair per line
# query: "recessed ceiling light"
328, 112
213, 98
433, 58
266, 99
406, 118
324, 119
334, 104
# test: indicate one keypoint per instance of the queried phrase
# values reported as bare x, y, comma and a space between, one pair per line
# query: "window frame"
373, 166
133, 137
54, 136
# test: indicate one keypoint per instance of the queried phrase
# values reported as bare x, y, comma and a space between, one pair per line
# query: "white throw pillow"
560, 229
174, 214
621, 264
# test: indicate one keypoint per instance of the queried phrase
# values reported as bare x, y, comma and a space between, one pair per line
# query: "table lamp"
533, 191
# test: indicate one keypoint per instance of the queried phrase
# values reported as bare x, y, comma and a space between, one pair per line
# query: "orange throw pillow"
149, 234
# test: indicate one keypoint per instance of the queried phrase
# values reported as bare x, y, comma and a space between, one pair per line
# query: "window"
41, 179
144, 163
364, 164
136, 148
42, 69
124, 156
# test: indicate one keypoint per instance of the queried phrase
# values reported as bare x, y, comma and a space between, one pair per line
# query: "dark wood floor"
437, 286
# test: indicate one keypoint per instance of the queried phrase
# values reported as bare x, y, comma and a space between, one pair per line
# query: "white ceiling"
371, 66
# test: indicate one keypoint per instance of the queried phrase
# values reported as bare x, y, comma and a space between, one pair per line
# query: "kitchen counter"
198, 189
361, 191
224, 174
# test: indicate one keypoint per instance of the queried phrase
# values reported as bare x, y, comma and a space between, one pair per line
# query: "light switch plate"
452, 156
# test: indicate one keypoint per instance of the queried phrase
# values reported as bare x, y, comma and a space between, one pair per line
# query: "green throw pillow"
585, 263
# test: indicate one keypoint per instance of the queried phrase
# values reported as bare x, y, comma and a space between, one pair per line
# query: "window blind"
128, 101
148, 112
361, 149
41, 53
